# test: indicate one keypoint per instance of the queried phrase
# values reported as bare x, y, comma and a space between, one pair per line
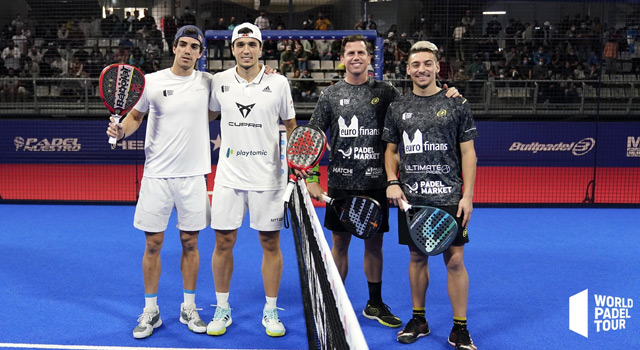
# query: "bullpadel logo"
606, 312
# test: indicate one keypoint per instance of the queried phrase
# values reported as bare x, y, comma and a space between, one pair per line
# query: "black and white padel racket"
360, 215
304, 150
431, 229
121, 86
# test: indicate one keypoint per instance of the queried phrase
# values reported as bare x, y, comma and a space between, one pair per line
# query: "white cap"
256, 34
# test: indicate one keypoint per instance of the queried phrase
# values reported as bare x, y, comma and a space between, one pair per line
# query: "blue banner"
66, 142
558, 144
295, 34
537, 144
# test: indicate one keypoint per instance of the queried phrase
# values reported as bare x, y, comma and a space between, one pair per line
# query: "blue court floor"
70, 278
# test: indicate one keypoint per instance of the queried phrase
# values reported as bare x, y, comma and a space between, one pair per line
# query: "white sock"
222, 299
189, 297
271, 302
150, 301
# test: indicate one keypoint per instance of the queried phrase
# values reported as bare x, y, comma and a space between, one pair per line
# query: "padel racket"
431, 229
121, 86
305, 148
360, 215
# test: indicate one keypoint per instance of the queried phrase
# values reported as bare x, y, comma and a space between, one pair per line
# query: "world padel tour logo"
578, 148
607, 313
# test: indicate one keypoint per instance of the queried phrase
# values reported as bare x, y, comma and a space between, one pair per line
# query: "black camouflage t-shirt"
430, 130
355, 114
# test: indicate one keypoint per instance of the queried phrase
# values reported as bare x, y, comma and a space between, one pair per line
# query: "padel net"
330, 319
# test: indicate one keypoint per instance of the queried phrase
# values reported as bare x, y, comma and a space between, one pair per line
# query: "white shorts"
229, 205
158, 197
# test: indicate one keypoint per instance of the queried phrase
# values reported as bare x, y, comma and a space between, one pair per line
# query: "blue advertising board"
558, 144
543, 144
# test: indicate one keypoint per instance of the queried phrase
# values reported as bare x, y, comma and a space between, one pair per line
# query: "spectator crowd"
578, 48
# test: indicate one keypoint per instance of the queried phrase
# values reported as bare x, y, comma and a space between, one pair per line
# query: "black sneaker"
383, 314
413, 330
461, 340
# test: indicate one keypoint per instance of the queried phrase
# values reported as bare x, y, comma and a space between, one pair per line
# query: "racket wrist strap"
314, 178
394, 182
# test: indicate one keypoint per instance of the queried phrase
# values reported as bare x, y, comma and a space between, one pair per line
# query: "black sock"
419, 314
375, 293
459, 323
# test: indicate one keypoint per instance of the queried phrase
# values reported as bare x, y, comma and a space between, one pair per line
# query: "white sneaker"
189, 316
147, 322
221, 320
271, 322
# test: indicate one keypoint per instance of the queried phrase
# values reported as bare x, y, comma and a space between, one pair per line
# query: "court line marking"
96, 347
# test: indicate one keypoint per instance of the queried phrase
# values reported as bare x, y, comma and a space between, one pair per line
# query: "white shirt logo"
414, 146
348, 131
346, 154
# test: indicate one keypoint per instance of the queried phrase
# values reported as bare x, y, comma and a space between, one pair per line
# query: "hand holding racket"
431, 229
360, 215
305, 148
121, 86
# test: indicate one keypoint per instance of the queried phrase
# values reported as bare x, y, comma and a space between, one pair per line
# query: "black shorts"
404, 237
331, 220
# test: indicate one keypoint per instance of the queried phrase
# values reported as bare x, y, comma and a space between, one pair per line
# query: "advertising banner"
513, 144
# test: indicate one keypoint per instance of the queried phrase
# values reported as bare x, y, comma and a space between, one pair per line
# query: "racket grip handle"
326, 198
290, 186
116, 120
405, 206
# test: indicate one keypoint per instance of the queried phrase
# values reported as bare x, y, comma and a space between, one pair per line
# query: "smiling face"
247, 51
355, 57
187, 52
423, 68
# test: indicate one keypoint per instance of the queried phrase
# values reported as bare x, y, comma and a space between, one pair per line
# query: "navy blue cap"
198, 35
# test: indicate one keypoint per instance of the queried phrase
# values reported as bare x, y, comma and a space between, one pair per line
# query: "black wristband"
394, 182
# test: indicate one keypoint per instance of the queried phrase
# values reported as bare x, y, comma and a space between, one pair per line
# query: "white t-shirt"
177, 142
249, 127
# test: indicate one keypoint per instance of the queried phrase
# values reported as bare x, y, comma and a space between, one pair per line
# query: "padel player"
438, 158
249, 175
177, 156
354, 109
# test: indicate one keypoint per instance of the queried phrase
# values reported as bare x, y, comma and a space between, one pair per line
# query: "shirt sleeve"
390, 132
214, 104
467, 127
143, 102
287, 111
321, 116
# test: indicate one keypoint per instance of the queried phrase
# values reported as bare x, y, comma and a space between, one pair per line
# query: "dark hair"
245, 31
352, 39
189, 31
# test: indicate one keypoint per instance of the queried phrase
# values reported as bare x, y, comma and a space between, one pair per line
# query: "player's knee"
190, 246
225, 240
153, 245
373, 244
455, 263
418, 259
271, 246
341, 241
152, 248
224, 245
